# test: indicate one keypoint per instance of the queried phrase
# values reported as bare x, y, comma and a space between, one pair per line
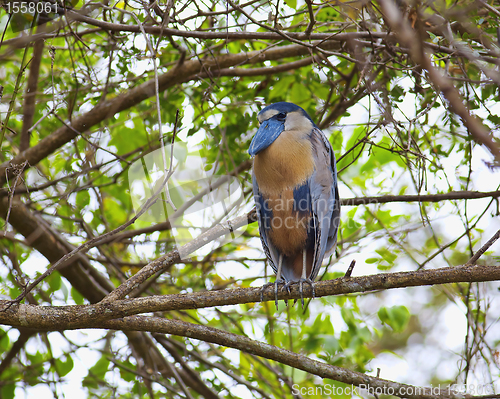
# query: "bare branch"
86, 316
453, 195
29, 98
172, 257
483, 249
406, 35
311, 18
284, 356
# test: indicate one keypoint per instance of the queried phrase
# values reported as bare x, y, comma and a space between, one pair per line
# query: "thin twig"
19, 172
483, 249
350, 269
406, 35
312, 21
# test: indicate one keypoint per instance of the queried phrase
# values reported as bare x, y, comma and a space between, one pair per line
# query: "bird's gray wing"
264, 217
324, 197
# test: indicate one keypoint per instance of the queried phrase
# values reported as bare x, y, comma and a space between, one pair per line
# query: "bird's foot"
301, 282
288, 284
276, 283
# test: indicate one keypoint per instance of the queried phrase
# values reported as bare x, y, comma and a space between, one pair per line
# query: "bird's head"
277, 118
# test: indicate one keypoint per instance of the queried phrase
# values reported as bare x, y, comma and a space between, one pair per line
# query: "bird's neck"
285, 164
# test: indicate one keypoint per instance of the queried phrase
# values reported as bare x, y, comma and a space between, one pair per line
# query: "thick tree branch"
86, 316
163, 263
235, 35
452, 195
236, 72
363, 38
284, 356
29, 98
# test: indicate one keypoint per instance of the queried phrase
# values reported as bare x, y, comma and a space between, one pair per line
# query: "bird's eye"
281, 116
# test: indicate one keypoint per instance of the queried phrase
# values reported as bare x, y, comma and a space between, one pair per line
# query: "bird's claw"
263, 288
301, 283
276, 283
287, 286
276, 293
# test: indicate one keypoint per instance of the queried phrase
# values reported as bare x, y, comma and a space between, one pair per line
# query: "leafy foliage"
95, 112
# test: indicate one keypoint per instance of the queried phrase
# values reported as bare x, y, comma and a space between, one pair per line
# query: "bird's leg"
303, 277
278, 277
301, 280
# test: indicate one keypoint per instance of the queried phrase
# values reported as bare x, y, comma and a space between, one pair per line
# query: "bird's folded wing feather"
324, 197
264, 217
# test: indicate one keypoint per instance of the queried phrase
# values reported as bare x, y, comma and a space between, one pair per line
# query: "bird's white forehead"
264, 116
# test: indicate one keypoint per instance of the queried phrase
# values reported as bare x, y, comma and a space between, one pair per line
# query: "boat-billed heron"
296, 194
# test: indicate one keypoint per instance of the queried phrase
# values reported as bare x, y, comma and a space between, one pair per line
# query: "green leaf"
82, 198
125, 373
54, 281
331, 344
348, 317
300, 95
77, 297
64, 367
397, 317
114, 211
4, 341
96, 373
281, 87
387, 255
7, 391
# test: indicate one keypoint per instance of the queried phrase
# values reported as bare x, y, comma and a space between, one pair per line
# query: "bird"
296, 194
